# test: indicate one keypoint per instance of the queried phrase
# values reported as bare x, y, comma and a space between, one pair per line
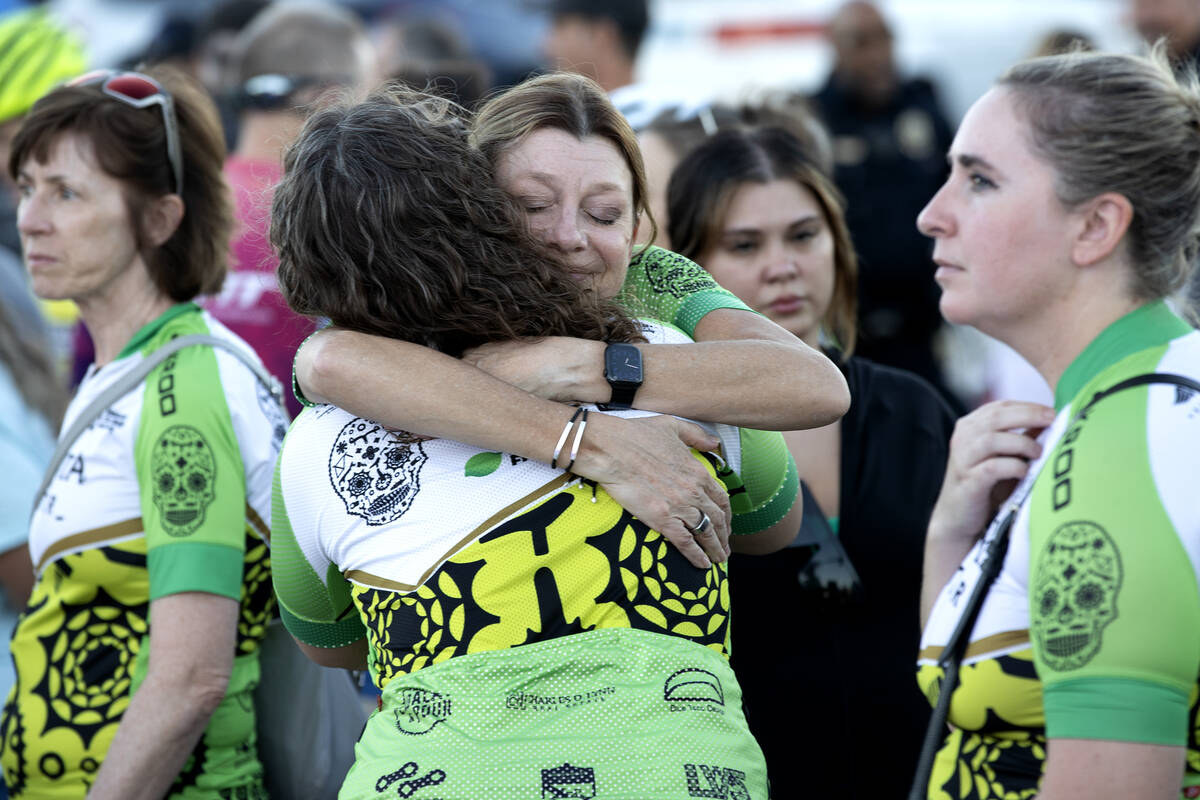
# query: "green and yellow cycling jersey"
168, 491
1092, 629
665, 285
522, 627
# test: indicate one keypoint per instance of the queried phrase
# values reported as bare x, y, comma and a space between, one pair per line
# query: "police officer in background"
889, 142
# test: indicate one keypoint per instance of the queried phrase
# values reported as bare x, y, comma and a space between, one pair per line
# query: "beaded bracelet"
563, 439
578, 439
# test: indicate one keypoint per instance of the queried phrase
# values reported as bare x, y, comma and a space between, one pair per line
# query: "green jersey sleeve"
320, 613
665, 285
191, 479
766, 488
1114, 604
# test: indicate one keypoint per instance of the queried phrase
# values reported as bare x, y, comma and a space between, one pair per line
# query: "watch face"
623, 364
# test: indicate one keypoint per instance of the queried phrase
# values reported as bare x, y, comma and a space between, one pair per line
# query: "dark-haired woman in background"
818, 667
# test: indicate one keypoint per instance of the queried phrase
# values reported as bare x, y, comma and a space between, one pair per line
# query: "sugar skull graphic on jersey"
184, 478
376, 473
1075, 590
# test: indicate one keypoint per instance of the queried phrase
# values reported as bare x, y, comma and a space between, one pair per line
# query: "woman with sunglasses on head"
529, 636
136, 656
819, 655
561, 150
1069, 215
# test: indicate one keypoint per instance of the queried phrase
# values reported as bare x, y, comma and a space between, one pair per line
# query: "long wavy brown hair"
704, 183
388, 222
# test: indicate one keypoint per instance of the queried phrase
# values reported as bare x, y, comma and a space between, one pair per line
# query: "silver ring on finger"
703, 525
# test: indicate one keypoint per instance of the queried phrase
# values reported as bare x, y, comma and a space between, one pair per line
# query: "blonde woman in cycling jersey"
1069, 215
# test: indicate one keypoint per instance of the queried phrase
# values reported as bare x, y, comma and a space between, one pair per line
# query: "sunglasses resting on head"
141, 91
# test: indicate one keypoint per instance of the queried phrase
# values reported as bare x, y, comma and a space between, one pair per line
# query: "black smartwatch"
623, 371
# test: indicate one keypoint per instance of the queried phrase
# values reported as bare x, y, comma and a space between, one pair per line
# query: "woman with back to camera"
136, 656
1069, 214
563, 152
753, 208
527, 634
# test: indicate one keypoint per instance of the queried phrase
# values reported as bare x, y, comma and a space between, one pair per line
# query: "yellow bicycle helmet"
36, 54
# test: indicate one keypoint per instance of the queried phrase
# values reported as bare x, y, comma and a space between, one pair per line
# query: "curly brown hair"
388, 222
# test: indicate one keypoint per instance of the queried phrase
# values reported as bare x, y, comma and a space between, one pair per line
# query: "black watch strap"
622, 398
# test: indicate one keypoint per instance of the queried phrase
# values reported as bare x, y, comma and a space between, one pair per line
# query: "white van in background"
699, 50
704, 49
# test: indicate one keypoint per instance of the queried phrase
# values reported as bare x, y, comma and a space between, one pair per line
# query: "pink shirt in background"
250, 303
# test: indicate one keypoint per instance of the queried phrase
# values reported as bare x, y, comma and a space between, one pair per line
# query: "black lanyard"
993, 560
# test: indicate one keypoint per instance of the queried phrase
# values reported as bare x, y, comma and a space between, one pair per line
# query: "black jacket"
889, 162
830, 690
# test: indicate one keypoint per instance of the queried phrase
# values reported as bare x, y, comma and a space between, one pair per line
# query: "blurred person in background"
32, 399
818, 653
36, 54
199, 41
1061, 40
601, 39
430, 55
137, 654
1178, 21
889, 142
1070, 213
285, 59
570, 161
213, 57
668, 137
675, 132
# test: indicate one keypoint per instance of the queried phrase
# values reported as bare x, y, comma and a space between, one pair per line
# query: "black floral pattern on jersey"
90, 661
626, 575
258, 596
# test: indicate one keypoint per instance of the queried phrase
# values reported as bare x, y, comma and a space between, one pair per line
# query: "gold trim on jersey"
80, 540
988, 644
257, 523
77, 541
367, 579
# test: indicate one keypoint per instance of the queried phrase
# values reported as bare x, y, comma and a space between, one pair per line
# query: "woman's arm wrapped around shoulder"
644, 464
768, 506
747, 371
